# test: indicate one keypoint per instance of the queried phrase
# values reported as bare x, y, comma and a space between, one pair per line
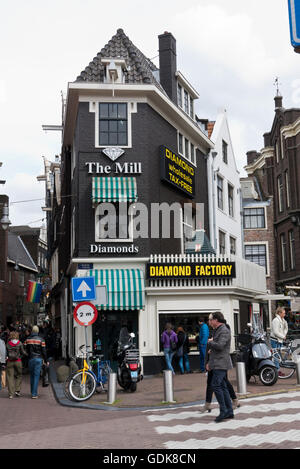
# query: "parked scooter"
129, 365
254, 351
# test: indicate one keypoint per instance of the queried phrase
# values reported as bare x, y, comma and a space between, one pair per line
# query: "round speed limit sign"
85, 313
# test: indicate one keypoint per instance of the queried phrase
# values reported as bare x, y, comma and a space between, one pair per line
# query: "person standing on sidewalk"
279, 330
3, 356
203, 338
15, 351
36, 348
219, 362
183, 350
169, 340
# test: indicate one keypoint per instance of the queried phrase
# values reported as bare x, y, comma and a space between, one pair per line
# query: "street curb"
62, 400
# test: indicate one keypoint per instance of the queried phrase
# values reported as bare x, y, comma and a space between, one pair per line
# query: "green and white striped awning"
125, 288
114, 189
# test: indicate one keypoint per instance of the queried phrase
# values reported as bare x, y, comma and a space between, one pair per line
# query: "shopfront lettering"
193, 270
116, 168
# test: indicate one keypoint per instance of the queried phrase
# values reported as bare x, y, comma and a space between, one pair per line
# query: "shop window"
113, 124
189, 322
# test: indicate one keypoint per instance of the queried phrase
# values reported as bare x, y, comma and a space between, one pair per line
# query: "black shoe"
229, 416
222, 417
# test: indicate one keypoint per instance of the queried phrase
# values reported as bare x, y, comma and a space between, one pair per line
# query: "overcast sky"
230, 50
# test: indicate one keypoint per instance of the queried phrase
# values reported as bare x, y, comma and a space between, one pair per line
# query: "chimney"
252, 156
168, 65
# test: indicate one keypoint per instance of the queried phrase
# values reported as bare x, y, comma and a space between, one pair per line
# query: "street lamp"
5, 221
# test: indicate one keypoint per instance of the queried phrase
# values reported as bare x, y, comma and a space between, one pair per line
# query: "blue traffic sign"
83, 288
294, 16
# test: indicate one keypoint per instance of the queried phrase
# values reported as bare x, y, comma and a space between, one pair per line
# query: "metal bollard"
241, 378
168, 386
112, 388
298, 371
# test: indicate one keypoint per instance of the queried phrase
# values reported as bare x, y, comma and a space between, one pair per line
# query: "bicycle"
286, 357
82, 384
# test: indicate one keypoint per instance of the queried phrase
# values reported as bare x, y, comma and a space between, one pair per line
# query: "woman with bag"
15, 351
183, 349
169, 340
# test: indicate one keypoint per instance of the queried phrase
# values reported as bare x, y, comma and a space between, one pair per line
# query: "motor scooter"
129, 365
256, 354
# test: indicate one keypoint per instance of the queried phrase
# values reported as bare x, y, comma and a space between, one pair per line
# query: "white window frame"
287, 188
114, 240
191, 157
292, 257
266, 243
131, 108
233, 200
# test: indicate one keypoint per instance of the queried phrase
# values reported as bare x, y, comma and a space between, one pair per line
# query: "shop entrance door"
107, 329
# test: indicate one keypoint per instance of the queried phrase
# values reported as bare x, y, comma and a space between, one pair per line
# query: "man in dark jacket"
36, 349
219, 362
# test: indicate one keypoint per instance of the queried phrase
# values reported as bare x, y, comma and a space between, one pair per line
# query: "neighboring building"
224, 190
131, 140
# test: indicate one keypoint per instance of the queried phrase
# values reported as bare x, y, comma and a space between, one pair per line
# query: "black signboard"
183, 270
177, 171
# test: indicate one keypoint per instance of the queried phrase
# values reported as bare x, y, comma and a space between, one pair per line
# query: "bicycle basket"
244, 339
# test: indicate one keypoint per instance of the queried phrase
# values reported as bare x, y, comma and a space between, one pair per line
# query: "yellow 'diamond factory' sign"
191, 270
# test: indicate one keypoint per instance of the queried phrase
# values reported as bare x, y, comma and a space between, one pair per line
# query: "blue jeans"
219, 386
184, 358
202, 351
35, 365
275, 344
169, 356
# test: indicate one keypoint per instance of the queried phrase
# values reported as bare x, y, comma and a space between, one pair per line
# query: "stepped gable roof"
139, 68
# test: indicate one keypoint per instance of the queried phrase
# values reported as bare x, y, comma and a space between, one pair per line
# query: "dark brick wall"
149, 132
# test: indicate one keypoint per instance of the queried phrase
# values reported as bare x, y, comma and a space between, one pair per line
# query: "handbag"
173, 346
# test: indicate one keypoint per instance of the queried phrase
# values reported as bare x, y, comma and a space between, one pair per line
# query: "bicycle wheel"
82, 385
66, 387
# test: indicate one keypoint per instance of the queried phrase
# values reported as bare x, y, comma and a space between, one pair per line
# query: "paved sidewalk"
188, 388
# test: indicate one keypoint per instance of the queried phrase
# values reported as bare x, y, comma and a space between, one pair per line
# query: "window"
189, 225
220, 192
292, 249
114, 223
179, 95
256, 253
193, 155
225, 151
287, 189
191, 107
254, 218
230, 200
21, 279
113, 124
187, 149
283, 251
186, 102
222, 243
277, 151
180, 143
280, 193
232, 245
185, 319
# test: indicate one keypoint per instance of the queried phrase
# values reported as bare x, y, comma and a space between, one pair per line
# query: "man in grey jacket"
2, 358
219, 362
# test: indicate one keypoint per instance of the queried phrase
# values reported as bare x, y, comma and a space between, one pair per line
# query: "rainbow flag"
34, 292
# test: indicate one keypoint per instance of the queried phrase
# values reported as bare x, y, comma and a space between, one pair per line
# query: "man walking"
3, 356
36, 348
219, 362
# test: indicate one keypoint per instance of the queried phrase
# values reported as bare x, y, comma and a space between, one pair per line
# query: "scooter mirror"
132, 335
249, 324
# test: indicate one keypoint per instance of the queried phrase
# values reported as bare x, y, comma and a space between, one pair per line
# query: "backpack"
173, 345
12, 353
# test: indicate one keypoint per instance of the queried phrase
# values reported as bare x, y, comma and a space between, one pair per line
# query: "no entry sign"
85, 313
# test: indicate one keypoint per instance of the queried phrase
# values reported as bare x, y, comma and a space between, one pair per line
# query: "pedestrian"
36, 348
15, 351
183, 349
202, 344
279, 330
219, 362
3, 356
209, 389
169, 340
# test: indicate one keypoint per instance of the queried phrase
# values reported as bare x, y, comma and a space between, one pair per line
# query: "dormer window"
115, 68
186, 95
